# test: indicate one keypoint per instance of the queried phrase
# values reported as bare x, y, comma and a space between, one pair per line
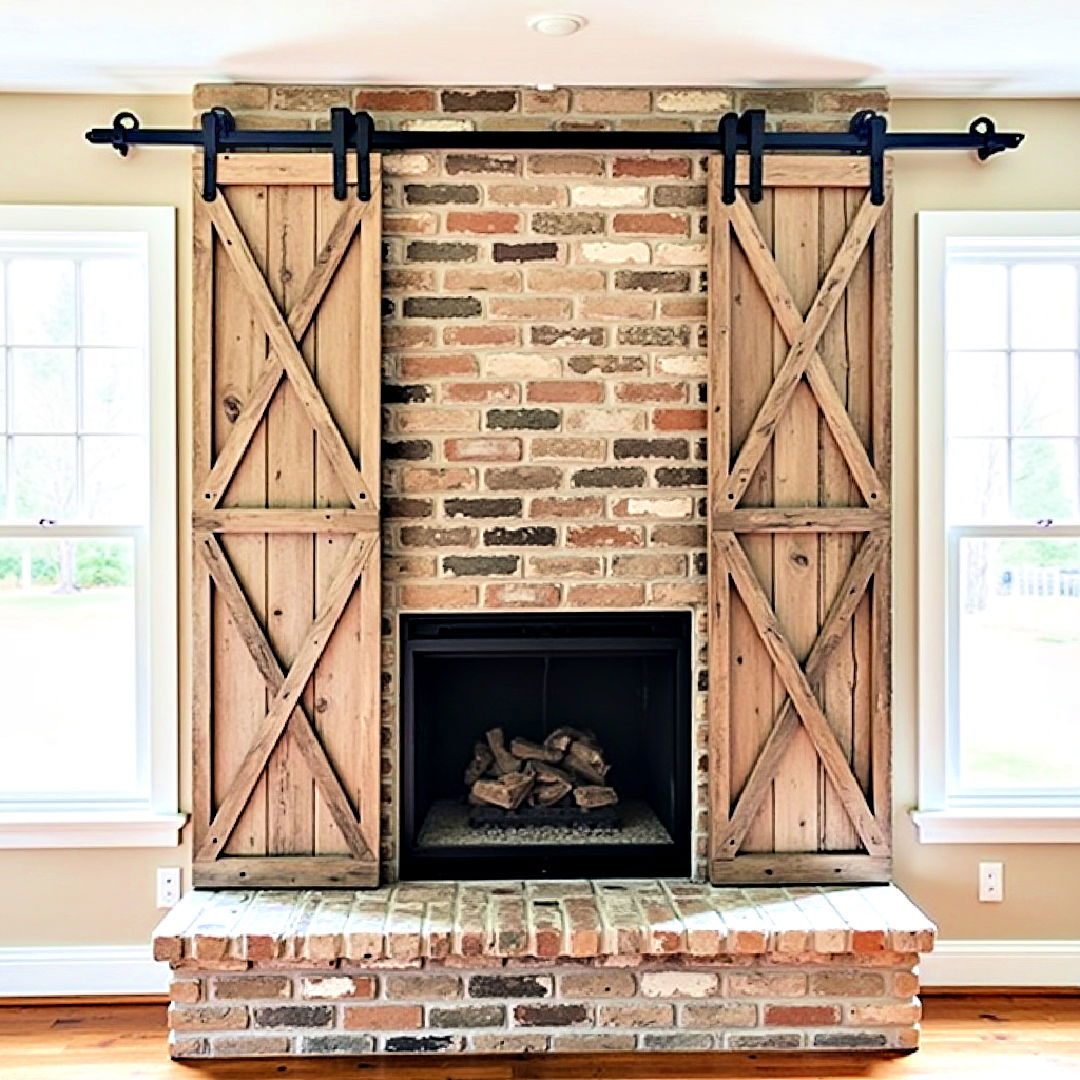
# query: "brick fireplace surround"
544, 365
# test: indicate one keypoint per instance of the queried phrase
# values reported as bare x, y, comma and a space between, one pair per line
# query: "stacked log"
567, 769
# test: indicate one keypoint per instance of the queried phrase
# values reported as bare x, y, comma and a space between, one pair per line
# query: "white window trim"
156, 823
936, 821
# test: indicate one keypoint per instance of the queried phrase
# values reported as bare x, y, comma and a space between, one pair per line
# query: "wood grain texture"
800, 523
286, 527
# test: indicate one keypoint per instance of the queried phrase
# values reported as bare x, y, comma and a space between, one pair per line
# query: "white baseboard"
85, 971
1002, 963
81, 971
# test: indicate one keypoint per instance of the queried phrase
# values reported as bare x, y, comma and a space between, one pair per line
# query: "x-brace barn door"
799, 432
285, 676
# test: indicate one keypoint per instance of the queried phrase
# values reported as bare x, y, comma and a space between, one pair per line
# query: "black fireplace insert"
614, 687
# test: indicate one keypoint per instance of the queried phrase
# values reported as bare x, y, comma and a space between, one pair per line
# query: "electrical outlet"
991, 882
168, 886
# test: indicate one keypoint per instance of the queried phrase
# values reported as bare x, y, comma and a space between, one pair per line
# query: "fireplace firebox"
545, 745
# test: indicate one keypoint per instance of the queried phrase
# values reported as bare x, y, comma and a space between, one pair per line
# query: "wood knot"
232, 405
799, 559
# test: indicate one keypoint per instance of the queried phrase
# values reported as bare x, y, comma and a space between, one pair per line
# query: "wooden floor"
981, 1038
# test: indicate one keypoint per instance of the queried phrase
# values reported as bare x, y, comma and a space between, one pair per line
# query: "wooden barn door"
799, 342
285, 527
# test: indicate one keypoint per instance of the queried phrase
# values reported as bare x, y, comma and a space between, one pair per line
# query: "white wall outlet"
991, 882
168, 886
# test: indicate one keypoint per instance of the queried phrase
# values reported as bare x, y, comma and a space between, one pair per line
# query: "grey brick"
407, 450
467, 1016
337, 1043
438, 251
480, 565
623, 476
679, 449
423, 1044
526, 536
851, 1040
482, 508
523, 419
681, 477
271, 1016
441, 194
510, 986
442, 307
518, 253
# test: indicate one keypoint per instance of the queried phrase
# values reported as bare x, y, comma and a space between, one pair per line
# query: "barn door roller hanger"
355, 132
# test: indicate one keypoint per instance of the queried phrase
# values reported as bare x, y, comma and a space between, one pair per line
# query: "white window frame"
155, 822
997, 820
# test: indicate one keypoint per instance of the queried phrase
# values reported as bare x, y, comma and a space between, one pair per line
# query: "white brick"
408, 164
609, 195
680, 255
680, 507
692, 364
522, 366
437, 125
706, 101
686, 984
633, 251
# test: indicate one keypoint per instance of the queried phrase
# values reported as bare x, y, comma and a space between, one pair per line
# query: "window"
1000, 525
87, 526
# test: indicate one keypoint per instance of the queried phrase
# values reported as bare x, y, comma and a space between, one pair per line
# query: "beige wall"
47, 161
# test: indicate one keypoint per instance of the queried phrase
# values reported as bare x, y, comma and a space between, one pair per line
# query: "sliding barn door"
799, 431
285, 527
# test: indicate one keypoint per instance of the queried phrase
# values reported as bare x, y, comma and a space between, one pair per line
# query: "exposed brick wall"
773, 1001
543, 354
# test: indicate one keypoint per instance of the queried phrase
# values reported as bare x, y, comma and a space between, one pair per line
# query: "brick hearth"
542, 966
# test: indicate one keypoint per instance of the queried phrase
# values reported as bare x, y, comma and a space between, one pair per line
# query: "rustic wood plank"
795, 472
758, 785
810, 867
290, 168
238, 693
311, 752
802, 336
841, 519
795, 682
276, 718
719, 436
285, 520
284, 345
275, 871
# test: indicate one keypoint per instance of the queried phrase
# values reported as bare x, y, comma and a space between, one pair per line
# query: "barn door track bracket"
355, 133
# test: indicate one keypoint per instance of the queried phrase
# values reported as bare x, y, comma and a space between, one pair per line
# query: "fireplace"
564, 690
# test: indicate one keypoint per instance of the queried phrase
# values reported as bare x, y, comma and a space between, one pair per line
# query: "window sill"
89, 829
999, 825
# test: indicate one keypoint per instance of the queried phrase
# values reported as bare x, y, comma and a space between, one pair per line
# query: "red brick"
801, 1015
530, 307
556, 279
519, 594
481, 335
408, 337
619, 100
604, 536
651, 224
606, 595
569, 507
488, 393
438, 595
434, 365
679, 420
411, 224
560, 449
482, 449
466, 279
383, 1017
650, 392
674, 168
617, 307
395, 100
414, 478
482, 222
565, 390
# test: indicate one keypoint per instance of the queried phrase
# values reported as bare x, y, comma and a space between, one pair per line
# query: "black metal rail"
355, 132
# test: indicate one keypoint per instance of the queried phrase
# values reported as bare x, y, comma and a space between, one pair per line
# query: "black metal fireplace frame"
470, 633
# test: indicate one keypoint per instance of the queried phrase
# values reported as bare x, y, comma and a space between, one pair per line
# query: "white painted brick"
438, 125
680, 255
694, 365
609, 251
522, 366
679, 507
609, 195
684, 984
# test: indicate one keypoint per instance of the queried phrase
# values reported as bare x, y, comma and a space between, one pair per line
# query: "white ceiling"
979, 48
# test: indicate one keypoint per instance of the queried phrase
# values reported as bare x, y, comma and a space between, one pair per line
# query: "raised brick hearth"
545, 966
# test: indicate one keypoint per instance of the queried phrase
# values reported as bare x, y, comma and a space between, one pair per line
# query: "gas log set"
562, 780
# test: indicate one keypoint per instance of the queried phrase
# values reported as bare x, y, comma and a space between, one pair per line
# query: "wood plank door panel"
286, 606
799, 525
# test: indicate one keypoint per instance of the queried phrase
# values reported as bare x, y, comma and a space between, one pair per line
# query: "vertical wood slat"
799, 574
321, 256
